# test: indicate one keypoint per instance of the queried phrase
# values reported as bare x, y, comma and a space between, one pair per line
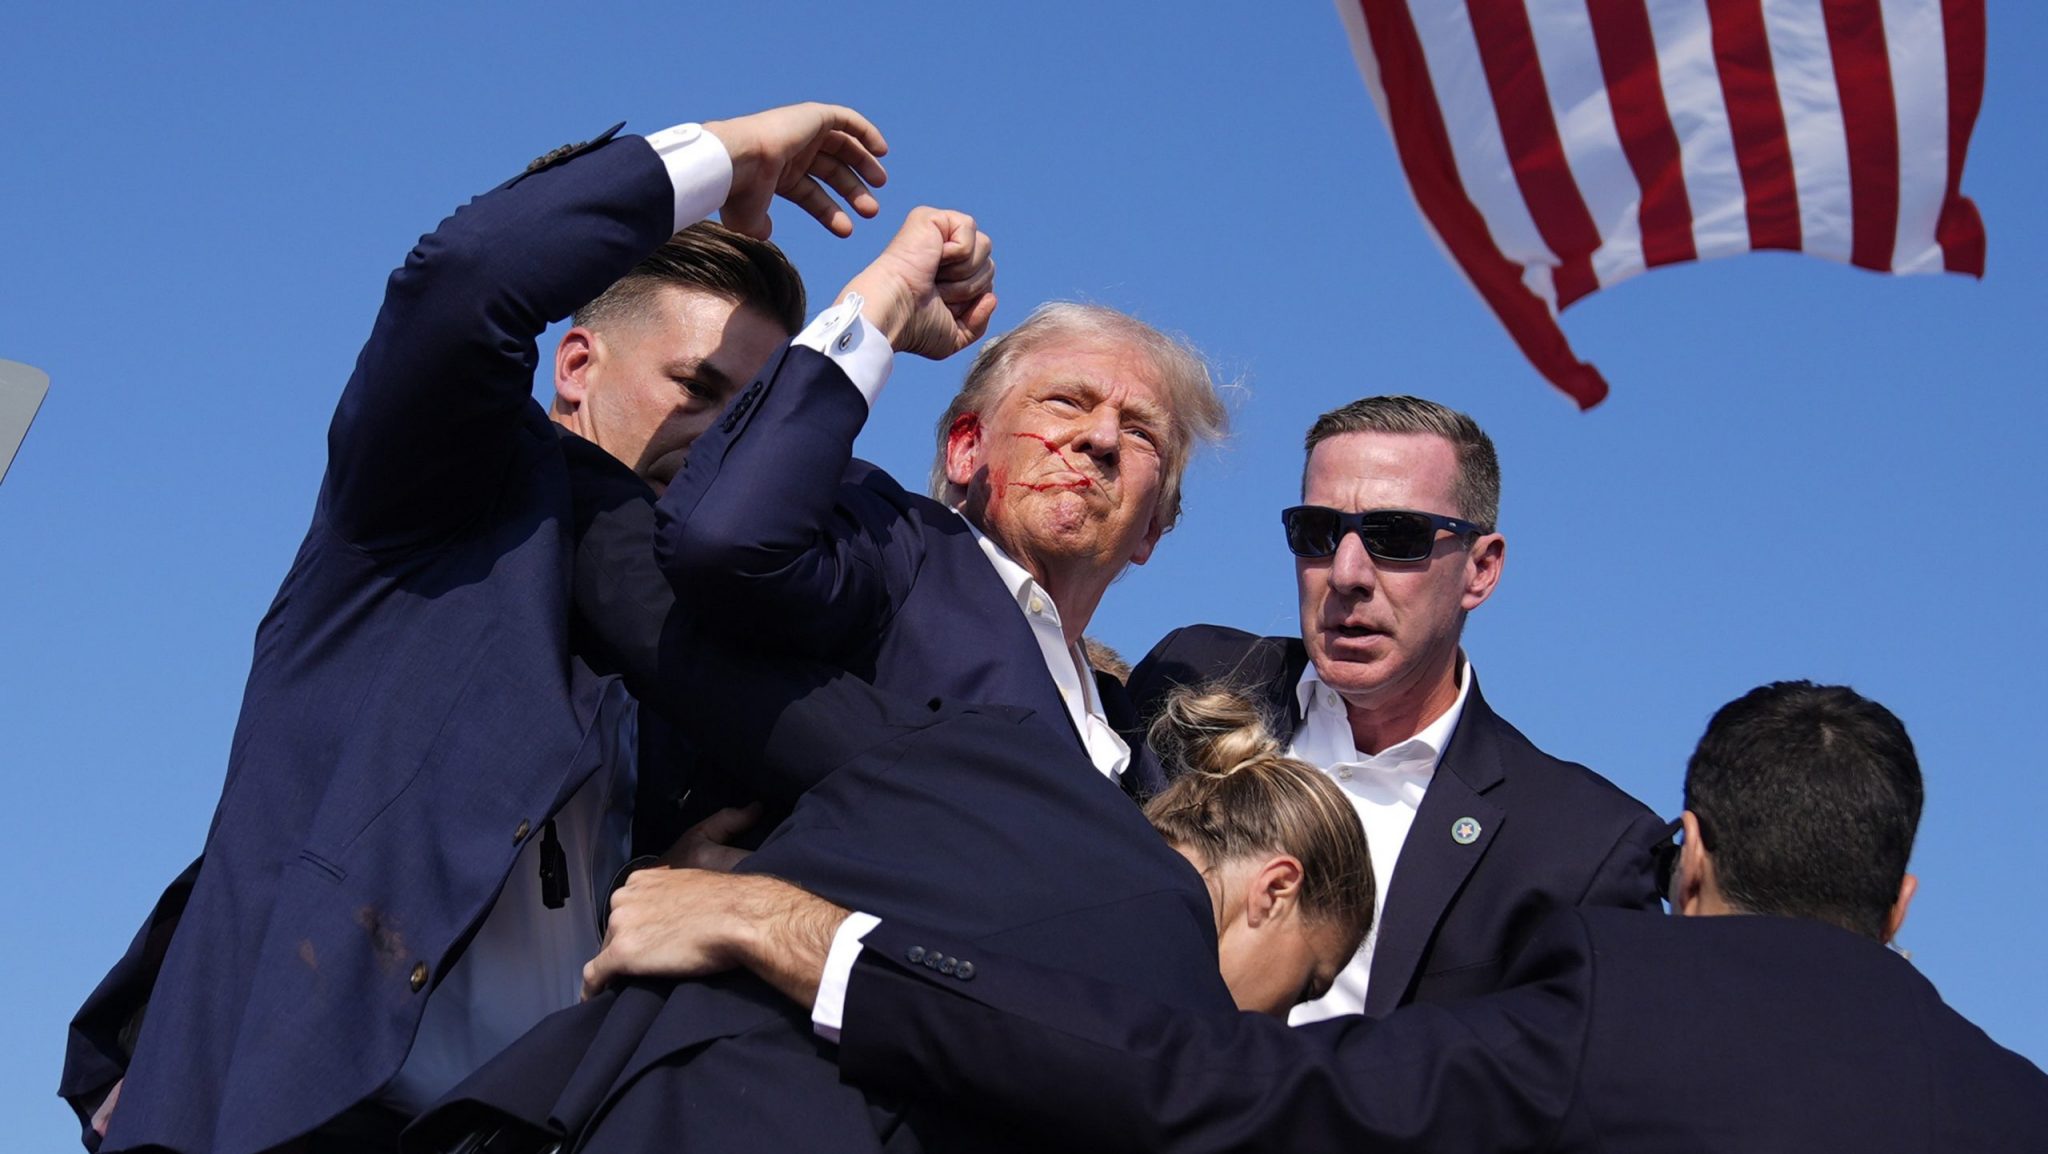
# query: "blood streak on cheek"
1053, 486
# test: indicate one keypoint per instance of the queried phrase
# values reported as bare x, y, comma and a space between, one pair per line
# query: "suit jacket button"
419, 976
915, 954
519, 835
948, 965
964, 971
932, 960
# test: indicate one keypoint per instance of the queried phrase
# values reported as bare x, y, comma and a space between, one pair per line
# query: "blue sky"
1804, 470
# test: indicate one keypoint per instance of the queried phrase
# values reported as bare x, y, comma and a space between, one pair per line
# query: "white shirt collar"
1324, 717
1068, 664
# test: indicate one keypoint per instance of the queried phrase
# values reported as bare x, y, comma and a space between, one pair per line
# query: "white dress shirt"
1068, 664
1385, 788
526, 960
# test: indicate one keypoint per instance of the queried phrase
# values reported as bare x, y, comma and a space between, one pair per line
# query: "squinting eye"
1143, 434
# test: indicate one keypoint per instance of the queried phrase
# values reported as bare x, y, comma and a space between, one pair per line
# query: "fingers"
846, 182
856, 155
975, 323
852, 124
597, 973
723, 825
974, 280
806, 193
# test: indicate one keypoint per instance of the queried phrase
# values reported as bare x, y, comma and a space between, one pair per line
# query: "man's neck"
1075, 586
1376, 728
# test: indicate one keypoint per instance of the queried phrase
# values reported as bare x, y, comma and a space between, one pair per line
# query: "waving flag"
1557, 147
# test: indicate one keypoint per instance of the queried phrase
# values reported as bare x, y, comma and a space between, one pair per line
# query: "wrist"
882, 305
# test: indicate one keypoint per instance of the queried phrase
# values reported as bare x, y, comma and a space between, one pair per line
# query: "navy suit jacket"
901, 804
1620, 1033
412, 711
1552, 832
780, 537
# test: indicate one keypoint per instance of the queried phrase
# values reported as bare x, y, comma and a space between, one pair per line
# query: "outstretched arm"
434, 411
1079, 1060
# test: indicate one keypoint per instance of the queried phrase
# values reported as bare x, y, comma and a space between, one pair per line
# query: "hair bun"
1210, 731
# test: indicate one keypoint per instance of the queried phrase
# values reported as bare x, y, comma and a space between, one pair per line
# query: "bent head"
1802, 801
1068, 438
1282, 851
1384, 633
647, 365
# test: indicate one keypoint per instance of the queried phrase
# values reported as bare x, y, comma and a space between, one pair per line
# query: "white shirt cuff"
698, 167
829, 1011
856, 345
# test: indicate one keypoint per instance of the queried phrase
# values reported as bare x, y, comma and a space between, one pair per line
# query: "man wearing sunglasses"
1474, 831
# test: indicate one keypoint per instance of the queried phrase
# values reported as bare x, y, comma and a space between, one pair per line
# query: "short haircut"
1477, 489
1808, 797
1194, 410
711, 258
1235, 795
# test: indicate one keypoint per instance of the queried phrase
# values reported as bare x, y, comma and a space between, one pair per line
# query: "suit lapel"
1283, 705
1437, 857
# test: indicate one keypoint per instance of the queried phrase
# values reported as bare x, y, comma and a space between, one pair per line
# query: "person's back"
1783, 1034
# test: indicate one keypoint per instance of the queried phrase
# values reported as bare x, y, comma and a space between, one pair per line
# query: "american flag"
1556, 147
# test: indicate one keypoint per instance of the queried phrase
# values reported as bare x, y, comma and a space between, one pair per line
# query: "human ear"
573, 360
963, 449
1273, 889
1153, 532
1483, 563
1908, 886
1690, 879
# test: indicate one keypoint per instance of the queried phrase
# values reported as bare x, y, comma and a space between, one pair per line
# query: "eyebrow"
1150, 414
707, 372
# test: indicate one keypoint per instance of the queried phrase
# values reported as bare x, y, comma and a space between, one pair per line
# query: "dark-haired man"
1475, 832
1770, 1016
434, 774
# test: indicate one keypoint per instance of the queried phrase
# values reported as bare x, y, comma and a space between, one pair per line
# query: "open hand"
794, 152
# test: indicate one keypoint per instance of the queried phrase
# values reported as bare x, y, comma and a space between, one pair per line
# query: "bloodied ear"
963, 449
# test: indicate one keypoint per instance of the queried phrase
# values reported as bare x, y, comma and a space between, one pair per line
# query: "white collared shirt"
1385, 788
1068, 664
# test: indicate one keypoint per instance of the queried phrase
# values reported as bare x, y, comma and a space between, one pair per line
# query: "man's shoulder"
1205, 654
1486, 735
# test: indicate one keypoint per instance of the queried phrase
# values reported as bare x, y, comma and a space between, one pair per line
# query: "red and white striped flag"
1556, 147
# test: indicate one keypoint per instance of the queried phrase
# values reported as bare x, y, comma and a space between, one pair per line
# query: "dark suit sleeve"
103, 1032
1626, 878
430, 420
760, 524
1154, 677
1087, 1064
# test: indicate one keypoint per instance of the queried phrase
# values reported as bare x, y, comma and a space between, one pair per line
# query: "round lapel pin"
1465, 830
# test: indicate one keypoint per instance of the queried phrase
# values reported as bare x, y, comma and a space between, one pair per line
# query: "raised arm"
756, 528
440, 402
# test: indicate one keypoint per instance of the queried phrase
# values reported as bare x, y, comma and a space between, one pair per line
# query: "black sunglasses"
1388, 534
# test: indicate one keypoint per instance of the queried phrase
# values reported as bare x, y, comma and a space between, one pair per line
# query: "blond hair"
1237, 795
